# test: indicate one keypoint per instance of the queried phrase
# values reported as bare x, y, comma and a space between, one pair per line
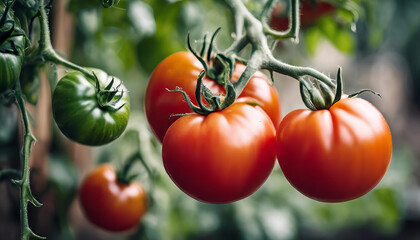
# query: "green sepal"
193, 107
230, 94
202, 61
210, 49
304, 92
105, 97
339, 87
199, 91
356, 94
203, 47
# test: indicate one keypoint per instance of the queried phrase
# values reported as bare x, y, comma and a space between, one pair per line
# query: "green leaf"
344, 41
312, 38
63, 176
339, 36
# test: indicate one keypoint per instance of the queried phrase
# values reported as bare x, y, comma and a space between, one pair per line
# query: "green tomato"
12, 46
85, 112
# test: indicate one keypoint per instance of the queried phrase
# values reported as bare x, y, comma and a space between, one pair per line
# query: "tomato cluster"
222, 157
332, 155
181, 70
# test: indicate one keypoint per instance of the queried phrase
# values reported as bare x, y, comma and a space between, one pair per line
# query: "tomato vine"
37, 54
25, 189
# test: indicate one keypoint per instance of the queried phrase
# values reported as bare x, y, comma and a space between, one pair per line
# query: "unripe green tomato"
11, 59
79, 115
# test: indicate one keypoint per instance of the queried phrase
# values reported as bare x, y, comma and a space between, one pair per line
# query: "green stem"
8, 174
294, 20
48, 52
123, 173
261, 56
237, 46
24, 185
296, 71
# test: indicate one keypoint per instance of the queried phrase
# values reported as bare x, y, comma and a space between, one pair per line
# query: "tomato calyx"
215, 65
106, 96
317, 95
213, 102
218, 68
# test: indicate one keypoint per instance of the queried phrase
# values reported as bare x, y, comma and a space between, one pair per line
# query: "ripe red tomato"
222, 157
182, 69
309, 14
109, 204
337, 154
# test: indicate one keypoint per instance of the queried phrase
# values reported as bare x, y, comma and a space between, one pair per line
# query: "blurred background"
380, 52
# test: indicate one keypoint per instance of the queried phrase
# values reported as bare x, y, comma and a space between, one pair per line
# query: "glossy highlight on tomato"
181, 69
337, 154
109, 204
79, 115
222, 157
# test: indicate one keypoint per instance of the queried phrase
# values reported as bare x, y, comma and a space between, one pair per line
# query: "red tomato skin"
182, 69
109, 204
335, 155
222, 157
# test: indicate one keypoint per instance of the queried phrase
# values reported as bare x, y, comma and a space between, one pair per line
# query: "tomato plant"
89, 111
12, 46
337, 154
222, 157
110, 204
181, 70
